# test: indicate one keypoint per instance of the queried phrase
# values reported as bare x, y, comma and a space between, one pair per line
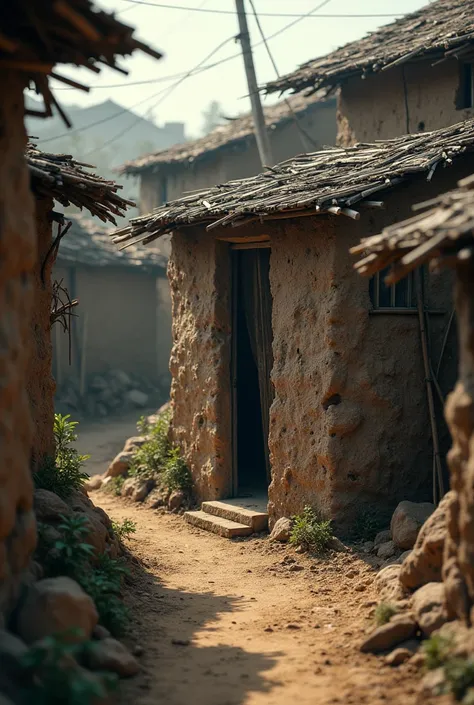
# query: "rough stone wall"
374, 107
458, 563
199, 274
17, 259
39, 381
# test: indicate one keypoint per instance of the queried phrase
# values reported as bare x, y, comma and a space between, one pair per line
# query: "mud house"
123, 323
411, 75
32, 43
442, 233
291, 374
230, 151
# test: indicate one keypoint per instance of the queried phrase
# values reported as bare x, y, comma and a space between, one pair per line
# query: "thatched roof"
231, 135
89, 244
37, 34
61, 177
442, 232
439, 30
329, 181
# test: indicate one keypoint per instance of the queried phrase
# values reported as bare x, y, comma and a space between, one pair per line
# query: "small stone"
382, 537
180, 642
95, 483
386, 550
138, 650
110, 655
390, 635
368, 546
268, 629
137, 489
100, 632
281, 531
295, 567
429, 607
407, 521
131, 444
293, 626
398, 656
137, 398
336, 544
176, 500
53, 606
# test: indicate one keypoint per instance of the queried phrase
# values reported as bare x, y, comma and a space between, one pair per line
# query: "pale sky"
186, 38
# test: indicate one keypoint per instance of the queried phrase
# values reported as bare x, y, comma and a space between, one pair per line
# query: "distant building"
230, 150
412, 75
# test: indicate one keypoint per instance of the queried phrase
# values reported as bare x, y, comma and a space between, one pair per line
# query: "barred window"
399, 295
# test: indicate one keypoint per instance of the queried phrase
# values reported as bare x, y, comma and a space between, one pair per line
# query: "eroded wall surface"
17, 259
40, 382
378, 108
199, 274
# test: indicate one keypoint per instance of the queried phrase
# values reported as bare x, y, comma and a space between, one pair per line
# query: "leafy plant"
176, 475
459, 674
311, 532
124, 529
149, 459
57, 679
384, 613
71, 550
114, 486
437, 650
143, 426
62, 474
104, 584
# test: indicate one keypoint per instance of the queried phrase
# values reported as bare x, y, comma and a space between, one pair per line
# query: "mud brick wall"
17, 259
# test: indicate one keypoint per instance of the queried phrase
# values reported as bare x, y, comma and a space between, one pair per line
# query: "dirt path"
103, 439
236, 622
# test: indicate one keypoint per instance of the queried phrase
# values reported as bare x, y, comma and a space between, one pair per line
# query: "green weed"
63, 473
437, 650
176, 475
384, 613
124, 529
114, 486
311, 532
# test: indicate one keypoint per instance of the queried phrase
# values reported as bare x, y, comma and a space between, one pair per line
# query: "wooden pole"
429, 389
261, 134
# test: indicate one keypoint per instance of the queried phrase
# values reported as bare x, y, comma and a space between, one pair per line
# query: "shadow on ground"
176, 669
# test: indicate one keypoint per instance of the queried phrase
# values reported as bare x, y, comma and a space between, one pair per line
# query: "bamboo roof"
442, 29
442, 232
231, 135
69, 182
37, 34
87, 243
329, 181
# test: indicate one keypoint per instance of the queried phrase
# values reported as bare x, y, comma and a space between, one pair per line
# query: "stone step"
218, 525
258, 521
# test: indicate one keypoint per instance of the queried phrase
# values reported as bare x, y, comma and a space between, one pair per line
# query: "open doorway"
252, 362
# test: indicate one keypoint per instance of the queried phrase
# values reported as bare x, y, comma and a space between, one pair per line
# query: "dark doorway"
252, 364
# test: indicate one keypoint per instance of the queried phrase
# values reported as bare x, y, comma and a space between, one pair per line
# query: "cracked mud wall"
374, 108
199, 274
17, 260
40, 383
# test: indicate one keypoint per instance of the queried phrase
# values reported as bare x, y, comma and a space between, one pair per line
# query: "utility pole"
261, 134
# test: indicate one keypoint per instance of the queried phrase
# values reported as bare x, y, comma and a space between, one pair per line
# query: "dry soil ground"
247, 622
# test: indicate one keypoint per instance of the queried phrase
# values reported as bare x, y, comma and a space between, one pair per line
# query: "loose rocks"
281, 531
399, 629
110, 655
407, 521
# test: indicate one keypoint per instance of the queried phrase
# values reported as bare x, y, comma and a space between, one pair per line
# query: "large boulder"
120, 465
407, 521
424, 564
53, 606
428, 604
49, 507
399, 629
137, 489
110, 655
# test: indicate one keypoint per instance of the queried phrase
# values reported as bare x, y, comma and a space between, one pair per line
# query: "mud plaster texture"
458, 561
40, 382
349, 425
17, 259
374, 108
199, 274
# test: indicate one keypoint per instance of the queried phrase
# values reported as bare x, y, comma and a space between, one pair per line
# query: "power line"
135, 105
306, 139
167, 92
262, 14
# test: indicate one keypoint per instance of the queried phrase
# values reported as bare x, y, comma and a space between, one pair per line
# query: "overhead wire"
306, 139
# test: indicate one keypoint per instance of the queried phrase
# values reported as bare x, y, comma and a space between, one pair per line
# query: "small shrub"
176, 475
367, 525
437, 650
56, 677
310, 532
459, 674
124, 529
104, 584
384, 613
62, 474
149, 459
114, 486
71, 552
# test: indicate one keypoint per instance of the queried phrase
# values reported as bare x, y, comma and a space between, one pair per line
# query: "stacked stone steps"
228, 520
